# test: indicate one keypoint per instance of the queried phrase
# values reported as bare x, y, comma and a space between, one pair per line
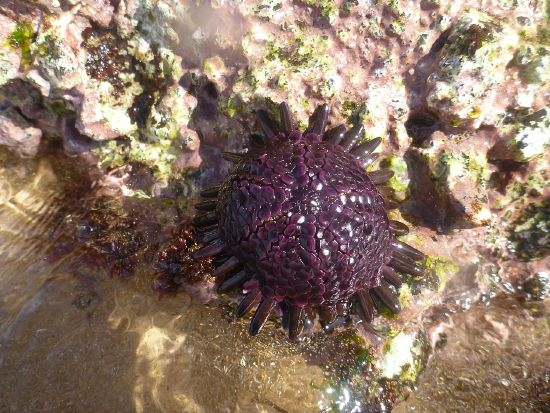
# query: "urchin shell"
306, 226
306, 220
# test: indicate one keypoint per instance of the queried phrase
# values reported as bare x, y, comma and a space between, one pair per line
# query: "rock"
98, 11
17, 133
530, 232
449, 186
27, 98
405, 355
532, 137
537, 72
471, 63
10, 58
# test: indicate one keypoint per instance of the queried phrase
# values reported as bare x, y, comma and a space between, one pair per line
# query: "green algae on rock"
530, 232
532, 137
538, 286
21, 39
460, 177
472, 61
405, 356
537, 70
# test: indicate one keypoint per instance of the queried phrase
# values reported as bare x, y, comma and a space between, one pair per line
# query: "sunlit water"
75, 339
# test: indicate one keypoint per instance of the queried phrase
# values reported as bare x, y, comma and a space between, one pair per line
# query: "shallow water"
73, 337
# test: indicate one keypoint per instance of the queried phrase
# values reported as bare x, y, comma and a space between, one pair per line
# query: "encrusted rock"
530, 232
10, 58
472, 61
453, 182
537, 287
537, 71
532, 137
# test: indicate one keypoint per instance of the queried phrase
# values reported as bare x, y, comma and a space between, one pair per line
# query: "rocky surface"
147, 94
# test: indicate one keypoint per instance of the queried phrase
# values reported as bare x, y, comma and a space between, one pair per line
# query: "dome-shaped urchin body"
306, 221
305, 226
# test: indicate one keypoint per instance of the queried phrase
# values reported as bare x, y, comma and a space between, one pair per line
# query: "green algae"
401, 358
266, 9
530, 232
397, 27
397, 10
442, 23
442, 268
329, 9
478, 47
451, 168
350, 108
348, 6
302, 54
399, 182
438, 271
535, 184
132, 90
21, 38
373, 27
532, 137
154, 144
537, 72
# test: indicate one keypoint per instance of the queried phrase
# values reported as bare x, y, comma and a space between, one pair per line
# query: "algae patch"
21, 38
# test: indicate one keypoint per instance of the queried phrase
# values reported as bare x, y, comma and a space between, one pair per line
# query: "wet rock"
98, 11
87, 301
451, 181
486, 356
405, 355
530, 232
537, 287
17, 133
10, 58
532, 137
425, 199
420, 129
471, 63
27, 98
75, 142
537, 65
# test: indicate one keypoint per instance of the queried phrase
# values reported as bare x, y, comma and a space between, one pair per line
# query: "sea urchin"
302, 225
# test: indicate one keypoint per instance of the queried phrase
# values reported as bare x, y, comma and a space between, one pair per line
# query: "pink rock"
17, 133
99, 11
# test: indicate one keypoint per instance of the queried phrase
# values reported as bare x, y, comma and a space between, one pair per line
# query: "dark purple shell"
309, 226
306, 220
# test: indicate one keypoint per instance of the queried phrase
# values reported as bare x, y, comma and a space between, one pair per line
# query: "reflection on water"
30, 198
72, 337
82, 330
495, 358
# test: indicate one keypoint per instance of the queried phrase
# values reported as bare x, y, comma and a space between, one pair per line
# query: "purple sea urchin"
304, 225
